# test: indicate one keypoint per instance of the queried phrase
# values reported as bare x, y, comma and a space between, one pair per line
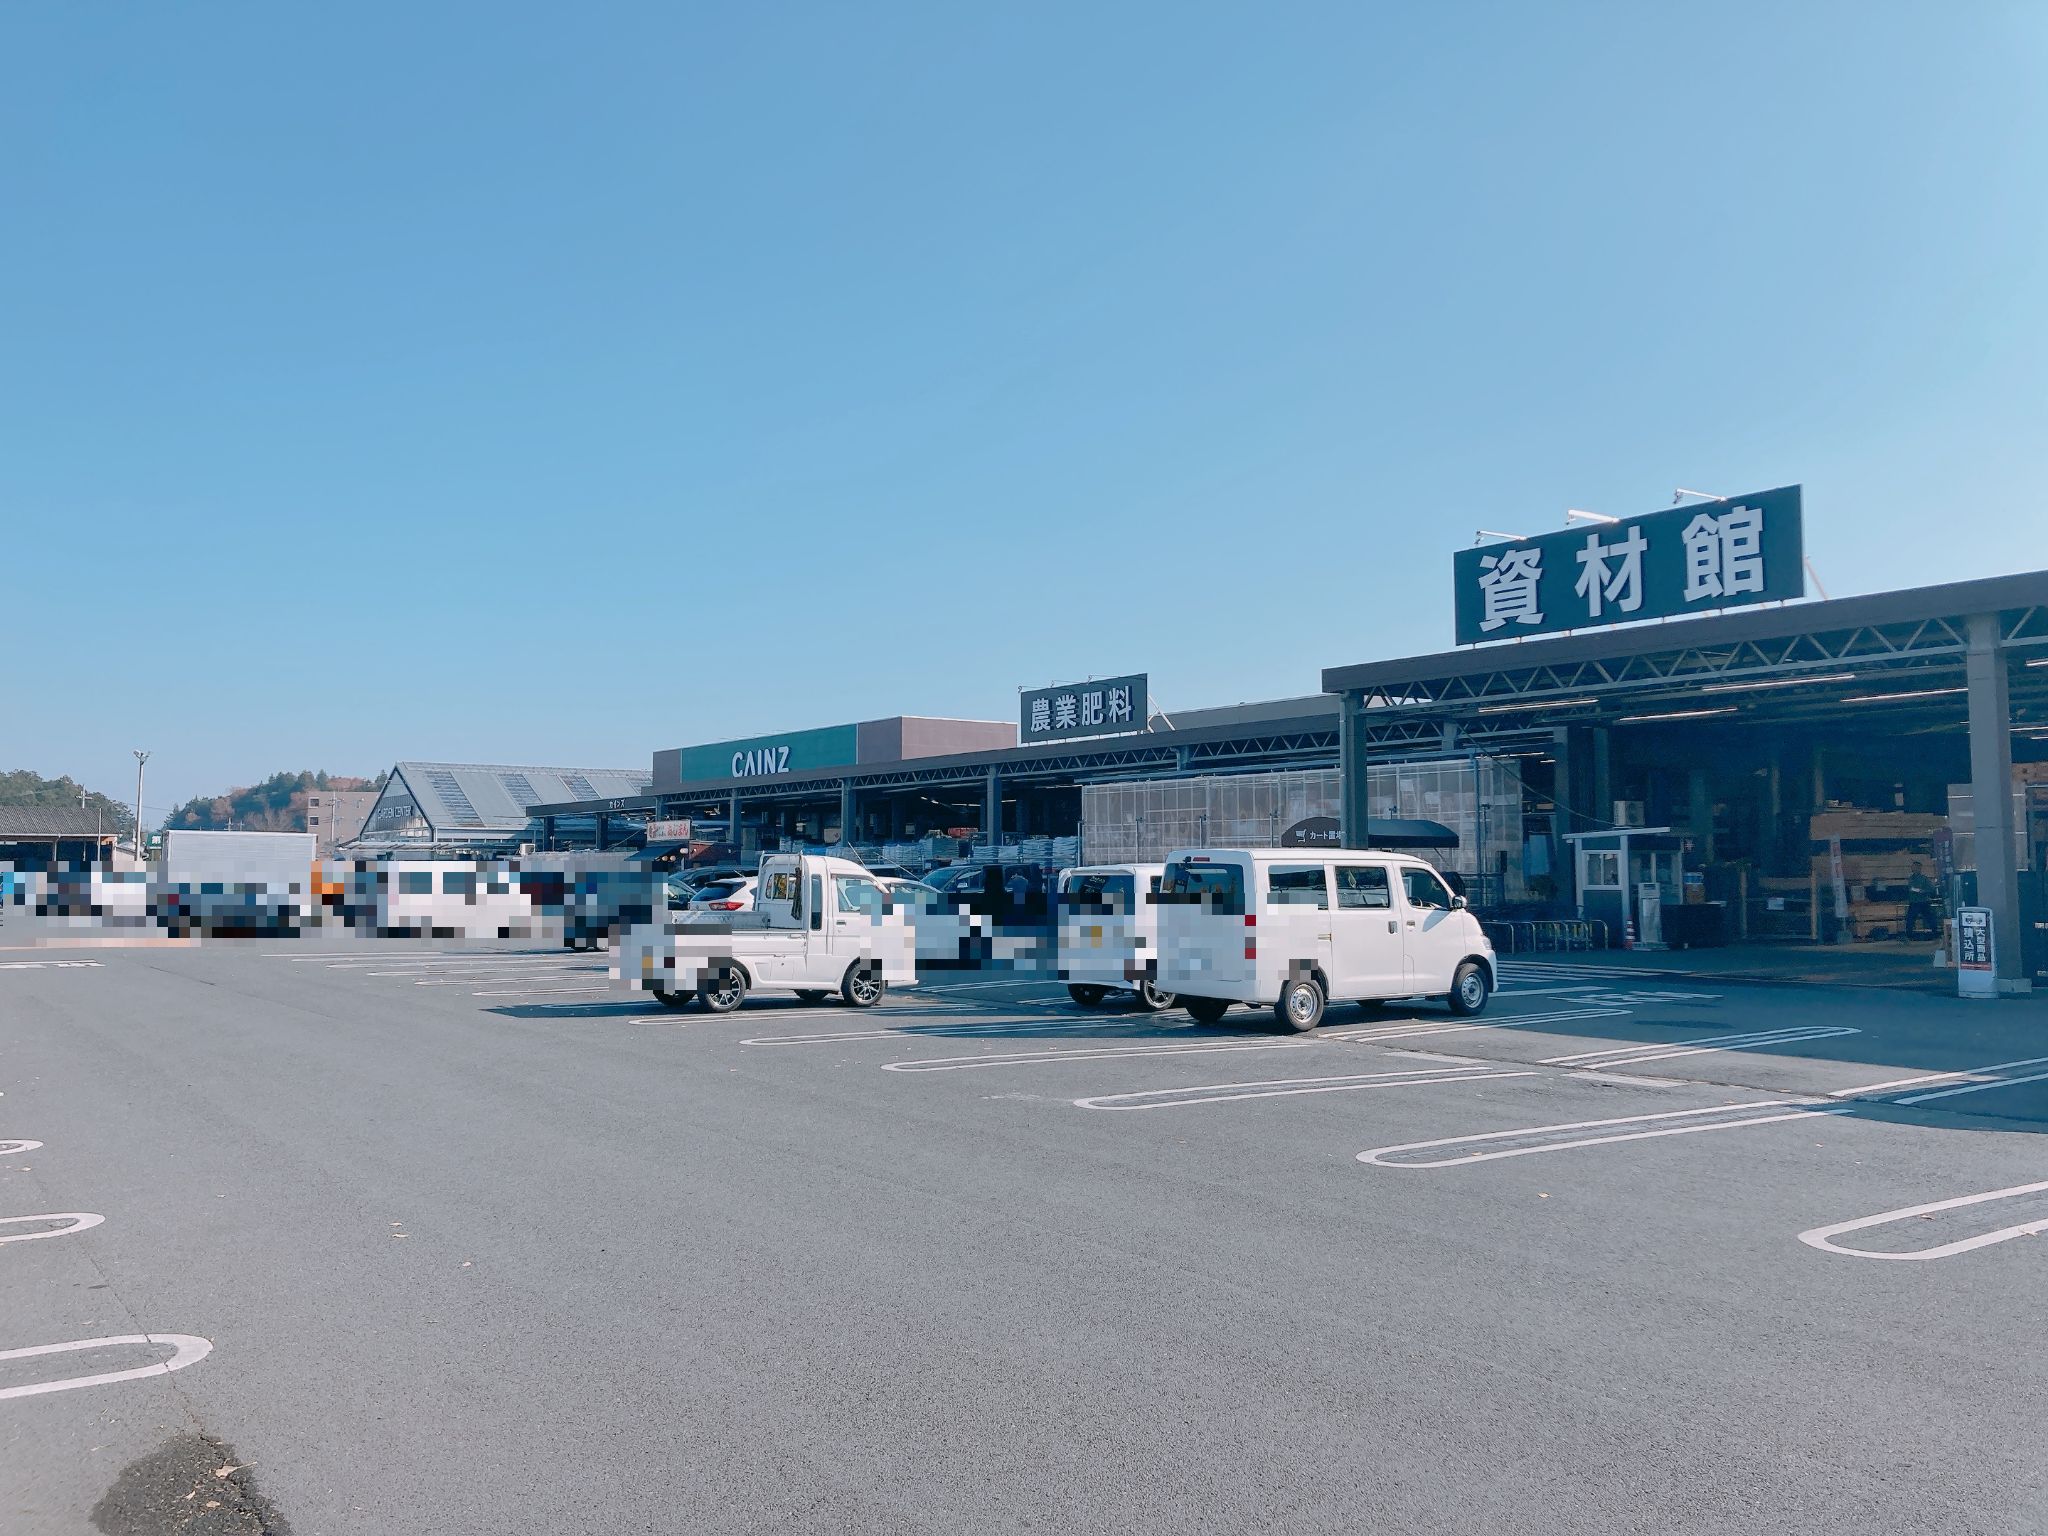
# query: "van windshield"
1219, 887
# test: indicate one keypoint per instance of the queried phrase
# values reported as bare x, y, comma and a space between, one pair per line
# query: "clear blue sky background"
540, 384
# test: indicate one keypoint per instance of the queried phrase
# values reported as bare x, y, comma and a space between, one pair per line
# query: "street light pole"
141, 757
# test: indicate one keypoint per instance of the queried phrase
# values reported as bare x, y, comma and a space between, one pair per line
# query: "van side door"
1434, 937
1294, 922
1366, 931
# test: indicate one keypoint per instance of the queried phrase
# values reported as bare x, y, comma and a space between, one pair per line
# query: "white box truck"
1297, 929
819, 924
240, 883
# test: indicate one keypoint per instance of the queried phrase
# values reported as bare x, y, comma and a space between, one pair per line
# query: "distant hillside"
278, 804
23, 786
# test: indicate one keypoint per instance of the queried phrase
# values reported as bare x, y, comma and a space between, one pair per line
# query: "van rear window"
1102, 895
1219, 887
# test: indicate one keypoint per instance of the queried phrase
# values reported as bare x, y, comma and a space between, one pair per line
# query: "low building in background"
37, 837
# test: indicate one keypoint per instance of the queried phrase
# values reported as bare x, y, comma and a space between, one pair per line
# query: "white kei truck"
1298, 929
820, 924
1109, 933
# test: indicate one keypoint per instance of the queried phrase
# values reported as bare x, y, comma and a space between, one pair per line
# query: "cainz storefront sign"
765, 756
1100, 708
1690, 559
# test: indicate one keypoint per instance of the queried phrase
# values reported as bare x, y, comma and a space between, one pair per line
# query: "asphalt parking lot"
463, 1242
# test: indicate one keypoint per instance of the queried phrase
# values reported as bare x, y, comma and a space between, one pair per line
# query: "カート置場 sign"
1691, 559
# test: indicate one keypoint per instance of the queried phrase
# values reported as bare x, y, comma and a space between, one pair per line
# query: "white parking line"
598, 991
926, 1031
1822, 1237
189, 1349
329, 957
80, 1220
1949, 1093
49, 965
1383, 1155
1971, 1076
9, 1148
1371, 1034
1699, 1045
1085, 1053
1288, 1087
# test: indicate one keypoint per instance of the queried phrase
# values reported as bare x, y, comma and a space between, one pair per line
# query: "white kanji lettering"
1508, 583
1724, 554
1041, 714
1120, 705
1623, 584
1091, 707
1066, 712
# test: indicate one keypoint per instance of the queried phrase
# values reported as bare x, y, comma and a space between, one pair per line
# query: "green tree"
277, 804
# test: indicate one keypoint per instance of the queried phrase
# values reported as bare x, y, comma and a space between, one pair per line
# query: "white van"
1109, 933
1296, 929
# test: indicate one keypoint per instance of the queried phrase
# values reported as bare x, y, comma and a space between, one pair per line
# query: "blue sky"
512, 383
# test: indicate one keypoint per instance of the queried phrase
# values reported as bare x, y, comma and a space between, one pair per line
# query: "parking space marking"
1518, 971
1409, 1029
1823, 1237
330, 957
1614, 997
585, 991
924, 1031
1288, 1087
189, 1349
9, 1148
49, 965
80, 1221
1699, 1045
1086, 1053
1971, 1079
1478, 1150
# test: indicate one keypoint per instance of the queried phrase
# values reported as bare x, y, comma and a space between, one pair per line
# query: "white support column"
1998, 885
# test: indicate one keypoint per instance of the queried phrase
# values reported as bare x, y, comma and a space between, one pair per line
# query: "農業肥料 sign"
1691, 559
1099, 708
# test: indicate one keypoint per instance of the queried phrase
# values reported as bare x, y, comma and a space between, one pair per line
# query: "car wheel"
1087, 997
1150, 998
728, 994
1468, 989
863, 986
812, 995
669, 999
1300, 1008
1207, 1010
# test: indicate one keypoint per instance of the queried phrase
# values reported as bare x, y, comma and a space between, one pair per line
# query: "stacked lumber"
1879, 850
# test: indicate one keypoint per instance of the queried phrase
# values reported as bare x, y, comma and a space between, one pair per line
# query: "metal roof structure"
45, 821
1308, 737
1811, 661
461, 803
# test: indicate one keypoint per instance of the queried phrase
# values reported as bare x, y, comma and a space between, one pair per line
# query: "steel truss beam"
1903, 645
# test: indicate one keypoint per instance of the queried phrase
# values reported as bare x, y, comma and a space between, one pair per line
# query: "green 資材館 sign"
1691, 559
831, 746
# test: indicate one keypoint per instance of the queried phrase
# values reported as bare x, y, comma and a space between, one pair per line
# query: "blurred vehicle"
1009, 893
1109, 933
944, 935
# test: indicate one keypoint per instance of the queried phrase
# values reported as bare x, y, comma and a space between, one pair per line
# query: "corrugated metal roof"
50, 821
494, 797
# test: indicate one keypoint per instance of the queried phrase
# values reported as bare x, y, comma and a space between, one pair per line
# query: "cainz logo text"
747, 765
